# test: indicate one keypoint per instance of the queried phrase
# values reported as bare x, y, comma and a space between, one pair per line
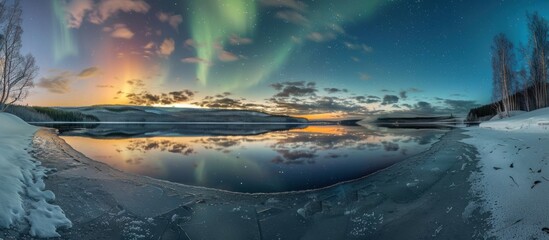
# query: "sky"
313, 58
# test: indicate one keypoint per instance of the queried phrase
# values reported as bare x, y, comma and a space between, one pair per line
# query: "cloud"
292, 17
136, 82
294, 89
191, 43
107, 8
149, 45
291, 4
104, 86
389, 99
224, 101
148, 99
335, 90
321, 36
171, 19
167, 47
390, 146
316, 104
293, 157
225, 56
403, 94
297, 97
89, 72
424, 107
367, 100
236, 40
76, 10
364, 76
460, 106
59, 83
361, 47
414, 90
194, 60
120, 31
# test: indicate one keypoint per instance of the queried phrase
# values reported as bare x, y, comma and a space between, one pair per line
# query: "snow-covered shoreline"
514, 173
531, 122
25, 202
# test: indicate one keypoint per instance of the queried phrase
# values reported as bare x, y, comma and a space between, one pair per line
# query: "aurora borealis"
323, 58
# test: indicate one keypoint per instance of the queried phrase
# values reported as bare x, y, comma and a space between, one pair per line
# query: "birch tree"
539, 46
504, 80
16, 71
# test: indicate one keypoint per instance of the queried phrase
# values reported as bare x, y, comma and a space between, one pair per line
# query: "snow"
514, 174
22, 192
533, 121
511, 114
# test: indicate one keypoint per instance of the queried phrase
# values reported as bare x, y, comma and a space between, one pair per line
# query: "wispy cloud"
293, 17
291, 4
76, 10
107, 8
237, 40
172, 19
120, 31
89, 72
226, 56
194, 60
364, 76
59, 83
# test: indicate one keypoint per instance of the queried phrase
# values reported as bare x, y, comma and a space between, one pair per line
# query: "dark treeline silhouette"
46, 114
518, 85
521, 99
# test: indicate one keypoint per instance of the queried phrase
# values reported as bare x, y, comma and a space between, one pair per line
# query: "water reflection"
257, 159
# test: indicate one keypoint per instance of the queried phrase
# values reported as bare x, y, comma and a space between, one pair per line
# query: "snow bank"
23, 198
513, 181
534, 121
511, 114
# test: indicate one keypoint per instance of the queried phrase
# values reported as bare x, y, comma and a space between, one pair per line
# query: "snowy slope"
513, 180
23, 198
534, 121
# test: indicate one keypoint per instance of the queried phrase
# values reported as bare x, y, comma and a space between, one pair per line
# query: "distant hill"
417, 122
123, 113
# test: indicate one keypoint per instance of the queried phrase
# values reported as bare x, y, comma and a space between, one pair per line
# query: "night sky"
318, 58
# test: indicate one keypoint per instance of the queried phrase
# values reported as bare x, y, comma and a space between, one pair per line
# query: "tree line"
521, 84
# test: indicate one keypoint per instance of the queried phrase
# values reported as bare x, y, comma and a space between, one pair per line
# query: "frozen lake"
248, 158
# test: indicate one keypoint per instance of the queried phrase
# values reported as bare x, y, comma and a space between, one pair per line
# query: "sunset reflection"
271, 162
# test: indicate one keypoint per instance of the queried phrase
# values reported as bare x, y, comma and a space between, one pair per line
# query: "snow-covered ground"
534, 121
25, 204
514, 176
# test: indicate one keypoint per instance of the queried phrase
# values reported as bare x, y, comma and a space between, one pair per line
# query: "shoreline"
384, 204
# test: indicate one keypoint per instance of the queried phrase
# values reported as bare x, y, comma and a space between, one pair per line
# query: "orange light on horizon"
320, 116
327, 129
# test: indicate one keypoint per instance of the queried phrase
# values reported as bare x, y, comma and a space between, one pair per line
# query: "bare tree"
525, 82
16, 71
538, 41
503, 62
